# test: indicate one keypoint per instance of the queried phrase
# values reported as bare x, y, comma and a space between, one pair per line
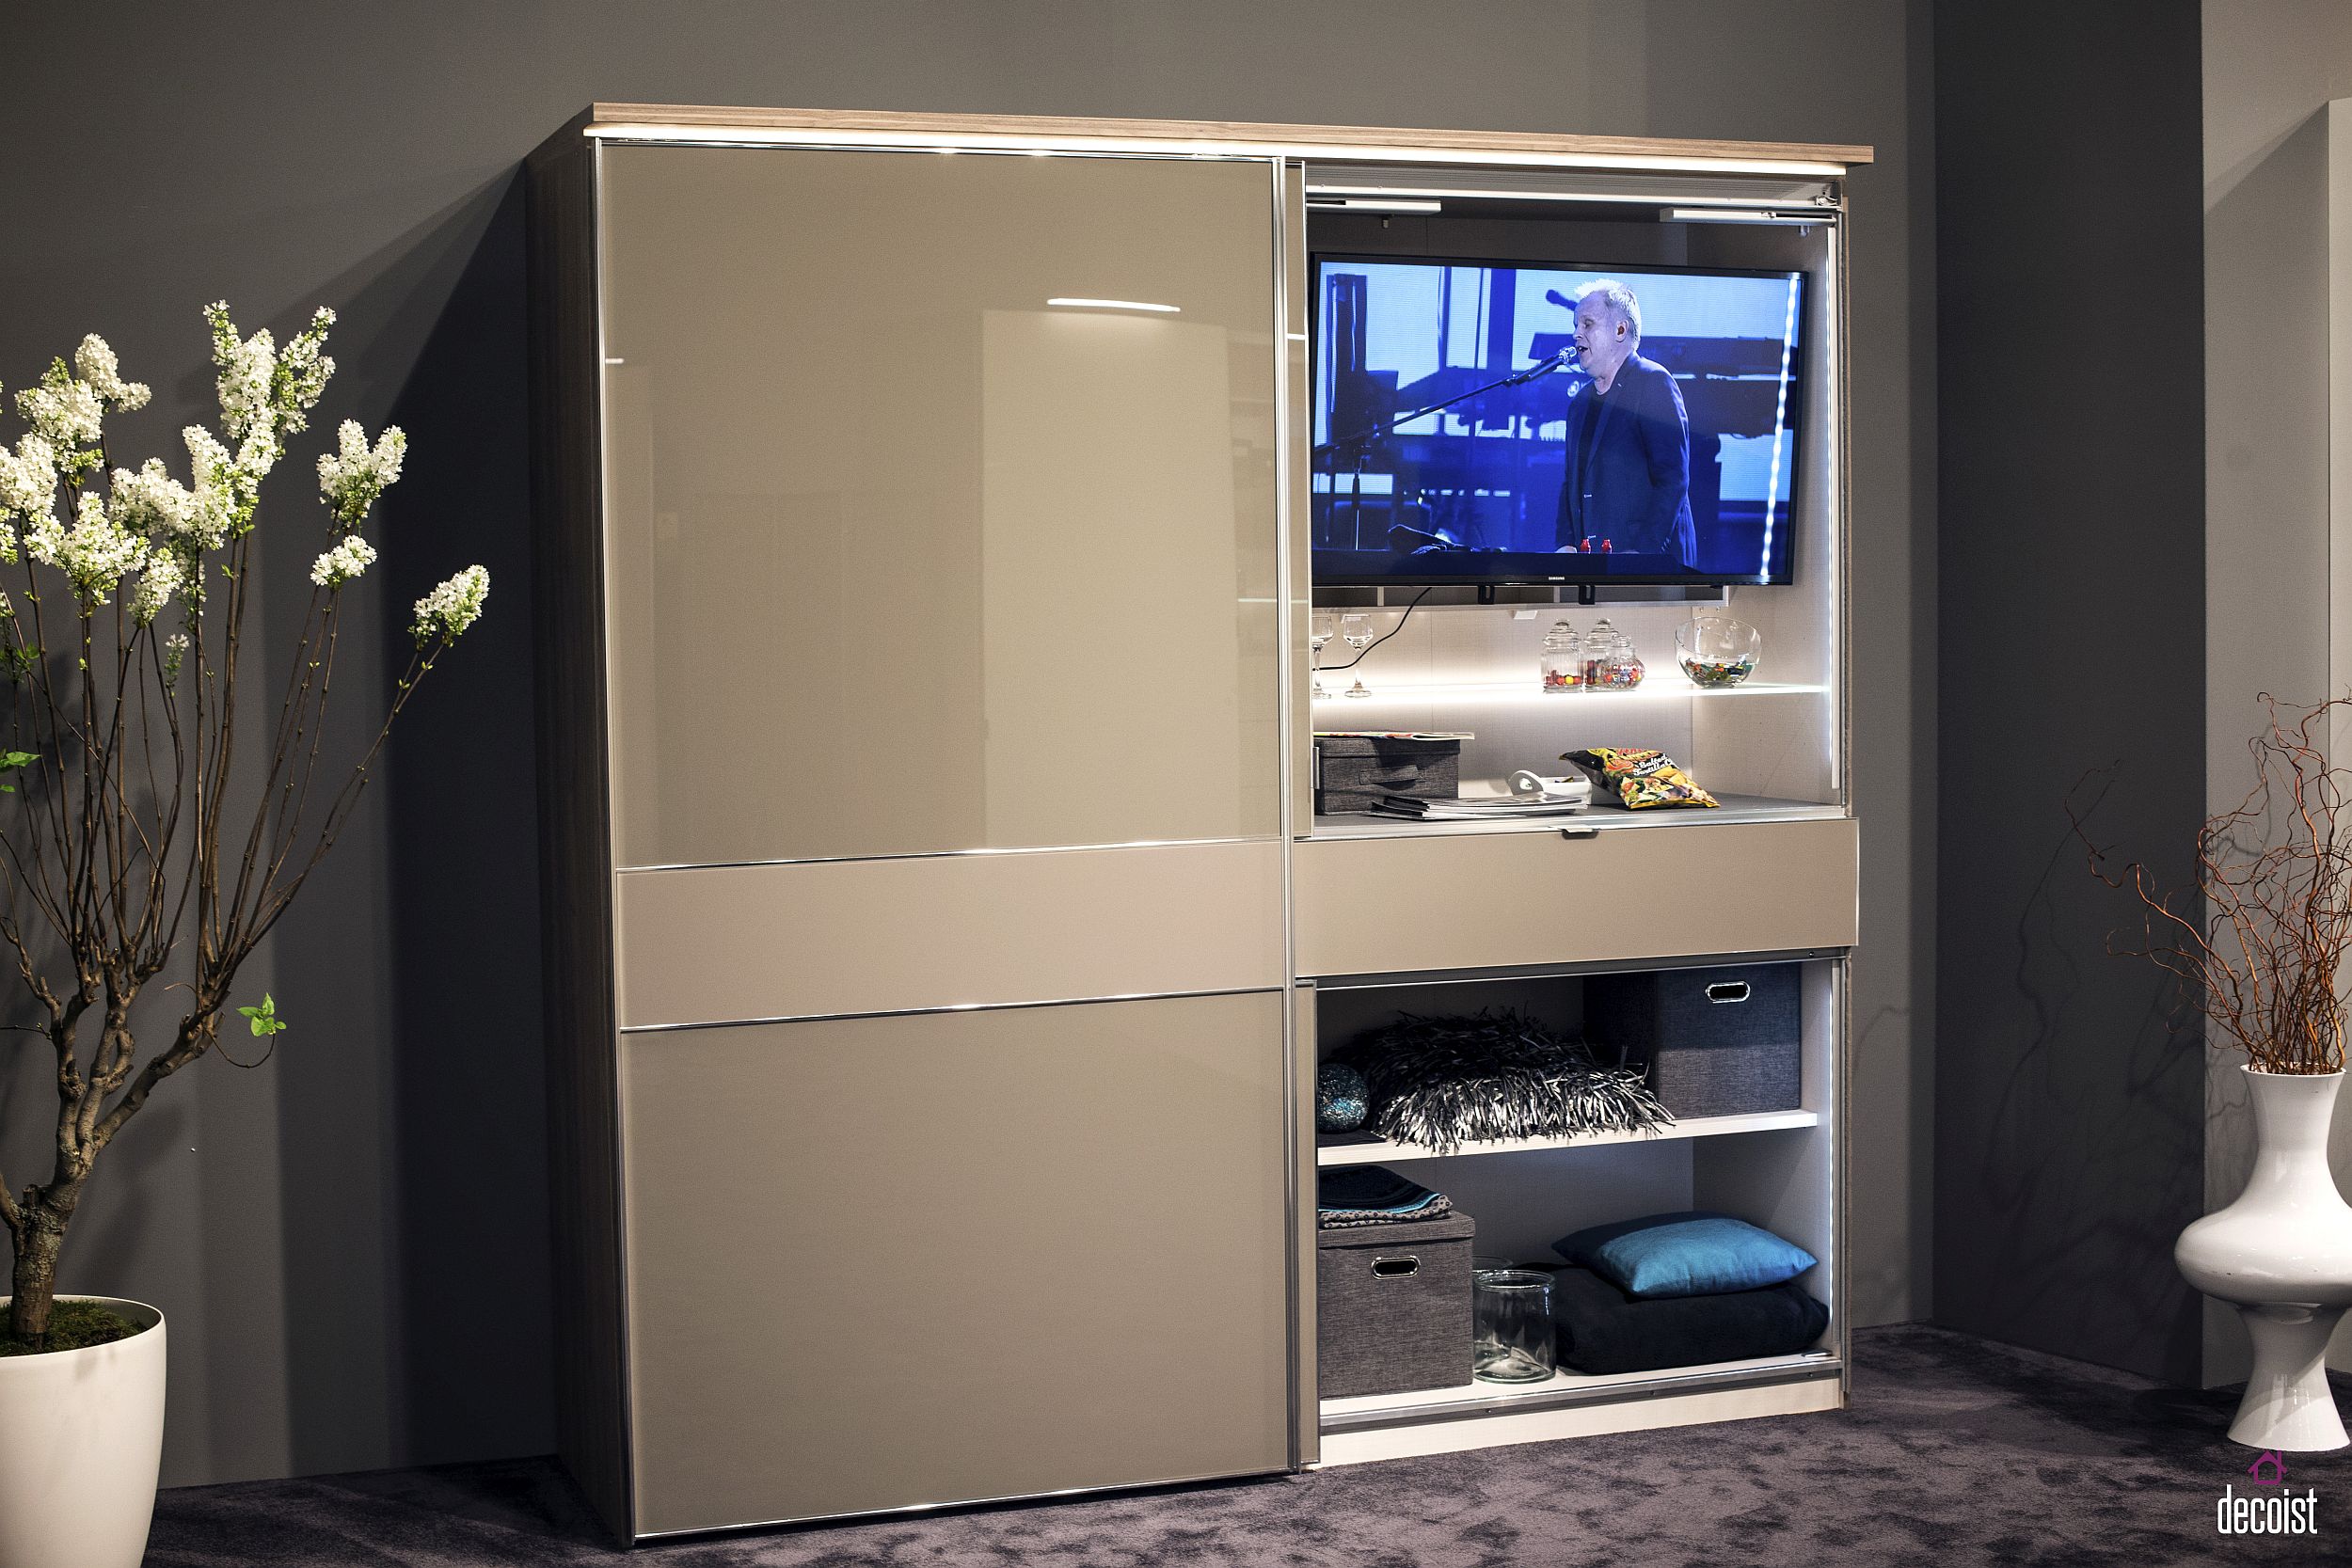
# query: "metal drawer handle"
1579, 832
1727, 990
1394, 1268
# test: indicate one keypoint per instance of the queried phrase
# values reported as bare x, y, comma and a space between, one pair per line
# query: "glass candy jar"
1716, 651
1510, 1325
1595, 654
1620, 668
1563, 661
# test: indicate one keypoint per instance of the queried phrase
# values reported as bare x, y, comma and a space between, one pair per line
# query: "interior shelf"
1354, 1149
1562, 1387
1337, 705
1733, 808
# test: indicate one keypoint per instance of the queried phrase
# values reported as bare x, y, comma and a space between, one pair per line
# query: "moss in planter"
72, 1325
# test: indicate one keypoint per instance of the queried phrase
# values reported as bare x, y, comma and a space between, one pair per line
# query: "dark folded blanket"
1603, 1330
1372, 1194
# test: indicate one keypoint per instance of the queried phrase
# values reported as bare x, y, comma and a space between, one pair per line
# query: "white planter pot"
81, 1441
2283, 1256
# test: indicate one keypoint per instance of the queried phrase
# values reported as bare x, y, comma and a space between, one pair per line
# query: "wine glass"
1321, 628
1355, 631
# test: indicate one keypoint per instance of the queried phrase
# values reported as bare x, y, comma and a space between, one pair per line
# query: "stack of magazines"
1562, 798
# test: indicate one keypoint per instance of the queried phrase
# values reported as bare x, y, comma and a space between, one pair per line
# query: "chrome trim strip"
1690, 188
1842, 1151
1566, 971
946, 854
905, 1509
832, 141
1297, 1343
1360, 826
1816, 1367
1621, 198
1840, 558
950, 1007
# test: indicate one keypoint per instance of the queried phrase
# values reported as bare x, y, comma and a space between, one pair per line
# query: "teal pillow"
1695, 1254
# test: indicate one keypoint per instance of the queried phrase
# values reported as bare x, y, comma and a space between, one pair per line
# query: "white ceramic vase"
2283, 1256
81, 1443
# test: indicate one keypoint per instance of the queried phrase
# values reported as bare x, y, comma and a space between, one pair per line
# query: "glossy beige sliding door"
941, 603
906, 556
883, 1262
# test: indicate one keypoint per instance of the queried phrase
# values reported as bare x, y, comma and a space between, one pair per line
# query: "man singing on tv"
1628, 440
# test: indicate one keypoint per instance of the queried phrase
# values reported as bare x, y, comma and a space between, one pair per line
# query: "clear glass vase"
1511, 1316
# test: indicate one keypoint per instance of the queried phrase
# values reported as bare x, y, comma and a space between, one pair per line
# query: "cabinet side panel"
1789, 1181
1299, 409
1306, 1428
575, 849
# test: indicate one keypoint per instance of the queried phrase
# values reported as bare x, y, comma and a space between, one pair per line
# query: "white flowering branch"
123, 692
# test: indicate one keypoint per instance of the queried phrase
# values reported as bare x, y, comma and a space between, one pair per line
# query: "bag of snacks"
1641, 779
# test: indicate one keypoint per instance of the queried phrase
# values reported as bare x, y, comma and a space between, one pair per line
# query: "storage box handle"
1394, 1268
1727, 990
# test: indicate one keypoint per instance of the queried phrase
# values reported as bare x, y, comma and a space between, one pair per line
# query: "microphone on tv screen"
1559, 361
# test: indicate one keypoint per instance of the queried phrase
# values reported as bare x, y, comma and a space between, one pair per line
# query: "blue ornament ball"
1342, 1099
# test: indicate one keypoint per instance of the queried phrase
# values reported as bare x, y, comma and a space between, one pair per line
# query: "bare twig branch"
2265, 959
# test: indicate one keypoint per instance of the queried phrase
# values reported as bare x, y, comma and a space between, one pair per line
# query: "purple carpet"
1955, 1450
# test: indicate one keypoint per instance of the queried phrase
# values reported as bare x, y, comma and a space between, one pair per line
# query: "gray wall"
351, 1240
2271, 68
2068, 1115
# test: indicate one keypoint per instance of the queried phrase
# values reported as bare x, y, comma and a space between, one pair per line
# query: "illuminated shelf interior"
1528, 691
1439, 1402
1695, 1127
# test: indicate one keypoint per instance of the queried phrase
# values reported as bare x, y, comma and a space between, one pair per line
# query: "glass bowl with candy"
1716, 651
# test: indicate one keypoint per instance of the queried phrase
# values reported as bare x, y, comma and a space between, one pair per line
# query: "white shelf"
1696, 1127
1732, 808
1655, 686
1448, 1402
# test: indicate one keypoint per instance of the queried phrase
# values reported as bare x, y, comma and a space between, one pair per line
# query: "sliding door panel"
717, 945
882, 1262
940, 501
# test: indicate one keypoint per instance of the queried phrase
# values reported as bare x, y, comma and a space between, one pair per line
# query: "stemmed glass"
1355, 631
1321, 628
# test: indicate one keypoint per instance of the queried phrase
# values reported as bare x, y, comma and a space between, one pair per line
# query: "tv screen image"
1486, 421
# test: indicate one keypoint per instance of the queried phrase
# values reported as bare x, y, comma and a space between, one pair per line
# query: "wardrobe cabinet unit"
923, 736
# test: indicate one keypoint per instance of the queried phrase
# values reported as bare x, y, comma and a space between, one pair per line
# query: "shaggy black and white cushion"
1445, 1082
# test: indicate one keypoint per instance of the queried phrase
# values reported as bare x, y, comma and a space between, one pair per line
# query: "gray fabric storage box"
1718, 1042
1393, 1307
1353, 772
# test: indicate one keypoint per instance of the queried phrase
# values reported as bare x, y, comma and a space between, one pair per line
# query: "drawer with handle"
1400, 904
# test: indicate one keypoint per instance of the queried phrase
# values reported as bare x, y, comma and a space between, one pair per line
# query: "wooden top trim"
1238, 135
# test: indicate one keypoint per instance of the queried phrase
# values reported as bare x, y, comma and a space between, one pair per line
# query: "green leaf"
265, 1018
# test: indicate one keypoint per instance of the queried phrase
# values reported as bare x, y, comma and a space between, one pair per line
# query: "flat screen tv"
1511, 422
